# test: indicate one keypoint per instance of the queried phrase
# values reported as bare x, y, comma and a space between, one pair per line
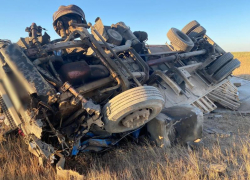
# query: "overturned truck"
87, 91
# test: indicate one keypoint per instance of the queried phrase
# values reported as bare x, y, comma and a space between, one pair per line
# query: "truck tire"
179, 40
197, 32
114, 37
190, 27
5, 112
218, 63
132, 109
226, 70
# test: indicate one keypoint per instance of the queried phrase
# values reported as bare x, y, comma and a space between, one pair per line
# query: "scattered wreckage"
87, 91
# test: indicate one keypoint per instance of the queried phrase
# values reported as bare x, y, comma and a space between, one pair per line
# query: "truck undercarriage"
87, 91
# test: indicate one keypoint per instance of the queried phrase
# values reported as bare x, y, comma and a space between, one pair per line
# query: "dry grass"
244, 70
146, 161
136, 162
149, 162
16, 162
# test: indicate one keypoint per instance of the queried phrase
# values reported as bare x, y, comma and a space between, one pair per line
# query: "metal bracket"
65, 86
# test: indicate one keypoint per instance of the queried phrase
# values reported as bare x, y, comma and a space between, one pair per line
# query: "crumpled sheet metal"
226, 95
244, 96
185, 119
91, 145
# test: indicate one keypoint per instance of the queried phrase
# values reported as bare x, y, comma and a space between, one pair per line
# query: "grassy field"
222, 155
137, 162
244, 70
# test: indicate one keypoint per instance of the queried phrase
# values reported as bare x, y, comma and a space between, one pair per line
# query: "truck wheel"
179, 40
197, 32
190, 27
8, 118
132, 109
218, 63
114, 37
226, 70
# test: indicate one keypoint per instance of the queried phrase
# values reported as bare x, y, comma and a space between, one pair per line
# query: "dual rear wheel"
222, 66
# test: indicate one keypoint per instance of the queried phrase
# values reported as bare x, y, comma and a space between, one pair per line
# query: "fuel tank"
75, 72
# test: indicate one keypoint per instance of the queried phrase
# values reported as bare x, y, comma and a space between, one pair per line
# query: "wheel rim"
136, 119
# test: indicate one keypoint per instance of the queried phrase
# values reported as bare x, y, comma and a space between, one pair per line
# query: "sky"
227, 21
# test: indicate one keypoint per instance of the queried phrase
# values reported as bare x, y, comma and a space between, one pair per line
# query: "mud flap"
179, 124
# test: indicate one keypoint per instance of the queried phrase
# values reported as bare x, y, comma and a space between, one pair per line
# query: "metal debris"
86, 92
226, 95
218, 132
